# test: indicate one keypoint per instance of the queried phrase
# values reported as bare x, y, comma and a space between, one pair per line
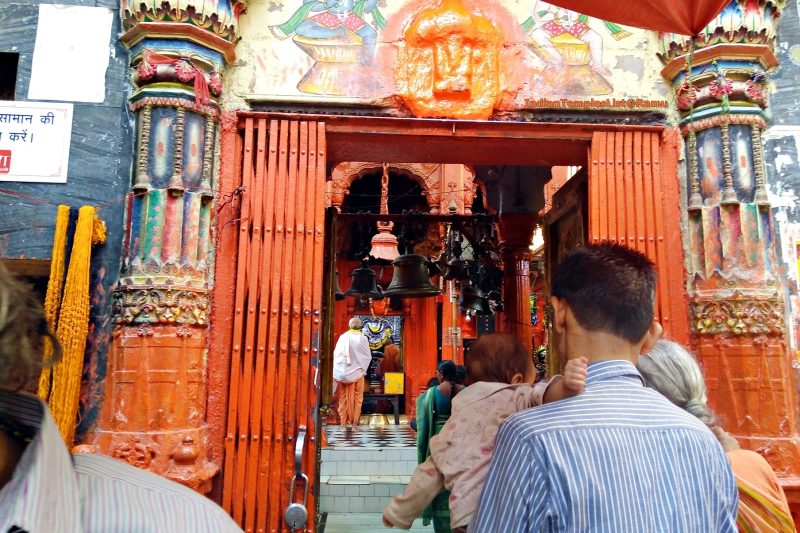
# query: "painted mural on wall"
567, 40
506, 55
338, 38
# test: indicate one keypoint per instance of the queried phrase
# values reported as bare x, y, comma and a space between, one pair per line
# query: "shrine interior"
430, 256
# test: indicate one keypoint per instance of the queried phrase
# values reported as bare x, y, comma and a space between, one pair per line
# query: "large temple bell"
364, 283
411, 278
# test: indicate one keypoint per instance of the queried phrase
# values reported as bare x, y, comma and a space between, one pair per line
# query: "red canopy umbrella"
686, 17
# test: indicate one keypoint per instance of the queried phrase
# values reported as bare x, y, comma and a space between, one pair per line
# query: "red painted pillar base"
153, 415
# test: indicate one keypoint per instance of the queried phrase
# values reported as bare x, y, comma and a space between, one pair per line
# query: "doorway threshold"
361, 523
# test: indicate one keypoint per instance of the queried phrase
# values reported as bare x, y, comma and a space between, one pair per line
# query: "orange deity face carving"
450, 64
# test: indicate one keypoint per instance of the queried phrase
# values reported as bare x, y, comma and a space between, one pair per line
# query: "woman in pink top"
500, 371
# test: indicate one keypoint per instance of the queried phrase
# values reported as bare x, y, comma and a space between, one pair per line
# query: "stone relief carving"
160, 305
134, 452
739, 316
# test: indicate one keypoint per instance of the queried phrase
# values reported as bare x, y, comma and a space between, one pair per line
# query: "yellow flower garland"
73, 322
55, 285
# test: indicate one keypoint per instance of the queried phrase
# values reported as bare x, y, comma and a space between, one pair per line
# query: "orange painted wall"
633, 200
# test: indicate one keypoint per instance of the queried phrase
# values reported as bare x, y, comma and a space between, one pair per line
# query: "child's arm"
570, 384
426, 483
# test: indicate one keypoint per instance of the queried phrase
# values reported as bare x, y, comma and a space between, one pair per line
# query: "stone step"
359, 494
336, 522
371, 462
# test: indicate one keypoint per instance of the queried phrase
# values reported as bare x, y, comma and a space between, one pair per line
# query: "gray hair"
23, 329
672, 371
355, 323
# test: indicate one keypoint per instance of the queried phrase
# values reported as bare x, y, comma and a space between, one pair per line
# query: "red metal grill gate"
277, 317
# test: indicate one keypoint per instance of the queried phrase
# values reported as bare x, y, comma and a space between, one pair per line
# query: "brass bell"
434, 269
495, 301
411, 278
337, 291
456, 268
364, 284
472, 298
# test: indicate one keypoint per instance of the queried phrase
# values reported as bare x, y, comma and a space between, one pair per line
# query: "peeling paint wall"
782, 159
782, 154
354, 55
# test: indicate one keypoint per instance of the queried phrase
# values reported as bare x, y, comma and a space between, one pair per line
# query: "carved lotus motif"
755, 91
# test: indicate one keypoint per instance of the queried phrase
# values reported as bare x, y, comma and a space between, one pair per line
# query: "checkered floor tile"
371, 437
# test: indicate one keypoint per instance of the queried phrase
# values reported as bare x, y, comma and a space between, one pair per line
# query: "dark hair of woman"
449, 373
461, 374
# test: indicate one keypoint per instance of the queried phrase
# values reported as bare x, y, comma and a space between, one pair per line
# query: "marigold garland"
73, 324
52, 301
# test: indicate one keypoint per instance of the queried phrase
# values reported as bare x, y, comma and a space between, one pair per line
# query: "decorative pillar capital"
217, 18
740, 22
516, 230
153, 305
723, 70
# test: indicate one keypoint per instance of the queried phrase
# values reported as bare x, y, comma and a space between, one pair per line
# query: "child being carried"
500, 372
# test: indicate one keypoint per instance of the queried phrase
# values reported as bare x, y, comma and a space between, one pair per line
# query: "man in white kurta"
351, 358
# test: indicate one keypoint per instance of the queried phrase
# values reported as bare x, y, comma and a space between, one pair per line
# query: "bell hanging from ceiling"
456, 268
472, 298
411, 278
495, 301
337, 291
384, 243
364, 283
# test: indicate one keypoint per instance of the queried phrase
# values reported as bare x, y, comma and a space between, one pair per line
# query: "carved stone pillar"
736, 282
516, 231
154, 408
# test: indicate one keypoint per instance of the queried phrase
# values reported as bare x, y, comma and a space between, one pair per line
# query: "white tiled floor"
363, 523
368, 462
361, 470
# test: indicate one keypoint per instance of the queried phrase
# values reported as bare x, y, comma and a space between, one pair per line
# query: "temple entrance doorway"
477, 234
314, 194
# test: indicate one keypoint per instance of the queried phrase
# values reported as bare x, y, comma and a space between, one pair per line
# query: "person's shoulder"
747, 462
107, 481
607, 407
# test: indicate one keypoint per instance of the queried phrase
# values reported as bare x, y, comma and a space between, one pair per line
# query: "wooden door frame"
380, 139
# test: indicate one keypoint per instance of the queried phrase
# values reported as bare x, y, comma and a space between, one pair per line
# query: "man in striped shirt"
620, 457
45, 490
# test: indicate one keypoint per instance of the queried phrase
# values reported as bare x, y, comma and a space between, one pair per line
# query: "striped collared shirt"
618, 457
51, 491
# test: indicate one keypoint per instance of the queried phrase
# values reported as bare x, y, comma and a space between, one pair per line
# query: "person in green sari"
433, 410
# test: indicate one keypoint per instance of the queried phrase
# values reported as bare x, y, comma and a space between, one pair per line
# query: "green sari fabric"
428, 425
